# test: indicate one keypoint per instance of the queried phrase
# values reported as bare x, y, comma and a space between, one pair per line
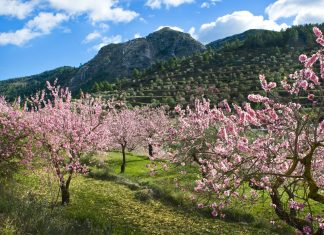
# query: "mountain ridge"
118, 60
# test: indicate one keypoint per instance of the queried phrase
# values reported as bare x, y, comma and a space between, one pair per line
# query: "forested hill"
297, 36
170, 67
27, 86
228, 69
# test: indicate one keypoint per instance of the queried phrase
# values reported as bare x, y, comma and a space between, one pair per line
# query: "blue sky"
39, 35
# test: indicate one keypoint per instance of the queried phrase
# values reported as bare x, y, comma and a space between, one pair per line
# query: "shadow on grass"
166, 197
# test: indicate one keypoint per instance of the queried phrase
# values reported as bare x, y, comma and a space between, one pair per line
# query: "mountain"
111, 62
169, 67
119, 60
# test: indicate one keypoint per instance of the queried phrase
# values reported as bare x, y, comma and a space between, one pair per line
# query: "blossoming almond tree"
154, 125
67, 129
15, 135
125, 131
277, 148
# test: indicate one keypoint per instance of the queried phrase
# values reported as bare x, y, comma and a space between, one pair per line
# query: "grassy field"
104, 202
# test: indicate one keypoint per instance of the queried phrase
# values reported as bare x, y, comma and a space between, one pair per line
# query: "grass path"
108, 201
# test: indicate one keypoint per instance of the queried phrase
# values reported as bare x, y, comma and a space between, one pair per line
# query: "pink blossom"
302, 58
320, 41
309, 217
310, 97
177, 108
214, 213
317, 32
296, 205
200, 205
321, 226
303, 84
314, 79
307, 230
311, 60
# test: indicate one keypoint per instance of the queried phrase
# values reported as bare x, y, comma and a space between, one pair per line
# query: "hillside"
169, 67
25, 86
229, 69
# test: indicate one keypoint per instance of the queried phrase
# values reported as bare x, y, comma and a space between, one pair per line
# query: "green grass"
106, 202
100, 207
256, 214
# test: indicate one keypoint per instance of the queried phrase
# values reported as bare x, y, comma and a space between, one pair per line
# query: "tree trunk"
65, 195
283, 215
150, 150
122, 169
65, 190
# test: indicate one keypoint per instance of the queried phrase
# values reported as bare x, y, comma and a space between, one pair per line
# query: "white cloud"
108, 40
155, 4
192, 32
18, 37
304, 11
103, 26
143, 20
67, 30
205, 5
17, 8
137, 35
237, 22
99, 10
92, 36
42, 24
209, 4
171, 27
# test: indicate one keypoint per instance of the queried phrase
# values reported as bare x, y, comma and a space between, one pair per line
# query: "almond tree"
67, 129
154, 125
15, 135
277, 148
124, 128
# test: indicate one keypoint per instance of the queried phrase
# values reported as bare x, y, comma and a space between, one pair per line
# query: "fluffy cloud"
205, 5
235, 23
91, 37
108, 40
17, 8
18, 37
310, 11
103, 40
42, 24
98, 10
171, 27
154, 4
